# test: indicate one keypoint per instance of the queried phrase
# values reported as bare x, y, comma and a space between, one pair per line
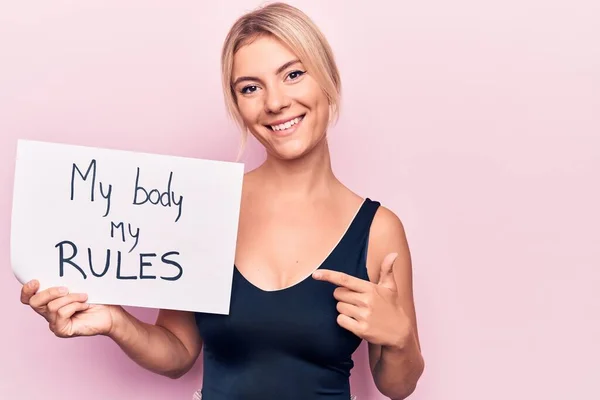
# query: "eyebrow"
277, 72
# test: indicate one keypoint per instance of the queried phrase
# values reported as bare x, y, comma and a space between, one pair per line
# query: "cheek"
321, 107
313, 97
307, 94
249, 110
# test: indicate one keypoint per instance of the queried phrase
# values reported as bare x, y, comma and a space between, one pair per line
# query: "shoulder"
386, 222
387, 235
387, 232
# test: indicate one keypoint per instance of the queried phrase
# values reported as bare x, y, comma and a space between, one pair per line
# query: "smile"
286, 125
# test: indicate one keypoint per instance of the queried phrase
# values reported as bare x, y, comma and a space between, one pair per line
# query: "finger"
66, 312
41, 299
349, 324
386, 275
55, 305
341, 279
349, 296
350, 310
28, 290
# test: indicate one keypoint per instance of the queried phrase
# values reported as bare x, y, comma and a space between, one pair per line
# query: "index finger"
44, 297
341, 279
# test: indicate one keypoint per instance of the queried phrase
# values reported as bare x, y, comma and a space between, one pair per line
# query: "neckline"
319, 265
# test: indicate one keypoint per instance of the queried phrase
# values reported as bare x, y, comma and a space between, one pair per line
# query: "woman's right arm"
168, 347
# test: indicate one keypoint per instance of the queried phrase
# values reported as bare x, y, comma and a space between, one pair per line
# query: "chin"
289, 151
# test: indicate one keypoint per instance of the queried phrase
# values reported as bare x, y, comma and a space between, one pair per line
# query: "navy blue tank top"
286, 344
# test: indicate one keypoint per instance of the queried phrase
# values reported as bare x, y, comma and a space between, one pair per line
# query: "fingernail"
317, 275
31, 283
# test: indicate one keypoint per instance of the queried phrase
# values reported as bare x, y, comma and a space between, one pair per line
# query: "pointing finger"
341, 279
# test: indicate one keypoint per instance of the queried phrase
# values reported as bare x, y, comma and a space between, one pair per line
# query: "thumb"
386, 276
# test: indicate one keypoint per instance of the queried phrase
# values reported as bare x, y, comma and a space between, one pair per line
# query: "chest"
278, 247
299, 322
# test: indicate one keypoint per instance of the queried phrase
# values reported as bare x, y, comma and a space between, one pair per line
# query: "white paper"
184, 253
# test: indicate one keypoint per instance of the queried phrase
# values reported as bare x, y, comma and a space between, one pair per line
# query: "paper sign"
126, 228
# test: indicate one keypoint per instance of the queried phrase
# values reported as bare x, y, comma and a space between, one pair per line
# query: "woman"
305, 289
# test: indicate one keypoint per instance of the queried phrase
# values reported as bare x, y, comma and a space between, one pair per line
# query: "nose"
276, 100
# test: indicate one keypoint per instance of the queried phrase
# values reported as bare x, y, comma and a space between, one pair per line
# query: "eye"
249, 89
295, 74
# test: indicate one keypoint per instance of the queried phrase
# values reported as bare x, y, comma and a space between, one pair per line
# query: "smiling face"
282, 105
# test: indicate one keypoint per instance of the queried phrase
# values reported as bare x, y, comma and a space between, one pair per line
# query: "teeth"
286, 125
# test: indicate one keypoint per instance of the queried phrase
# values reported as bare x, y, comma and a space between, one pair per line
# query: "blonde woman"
318, 268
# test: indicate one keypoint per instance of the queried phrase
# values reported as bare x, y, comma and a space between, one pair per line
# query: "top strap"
360, 227
351, 253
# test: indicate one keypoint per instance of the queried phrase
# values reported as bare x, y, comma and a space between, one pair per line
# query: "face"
280, 102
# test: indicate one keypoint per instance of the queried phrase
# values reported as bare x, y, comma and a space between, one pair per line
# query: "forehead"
261, 56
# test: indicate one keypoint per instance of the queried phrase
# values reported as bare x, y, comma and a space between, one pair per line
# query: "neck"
307, 176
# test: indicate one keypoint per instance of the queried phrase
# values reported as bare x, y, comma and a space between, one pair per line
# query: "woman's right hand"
68, 314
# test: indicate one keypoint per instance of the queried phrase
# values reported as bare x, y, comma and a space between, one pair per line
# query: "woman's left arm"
381, 310
396, 360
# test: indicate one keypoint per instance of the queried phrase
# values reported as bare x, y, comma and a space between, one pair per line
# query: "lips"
283, 125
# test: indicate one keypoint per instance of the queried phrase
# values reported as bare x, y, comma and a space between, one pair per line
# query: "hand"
370, 310
68, 314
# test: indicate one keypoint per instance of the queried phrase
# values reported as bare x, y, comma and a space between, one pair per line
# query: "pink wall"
477, 122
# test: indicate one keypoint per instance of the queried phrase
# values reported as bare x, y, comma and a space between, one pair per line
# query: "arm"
396, 368
170, 347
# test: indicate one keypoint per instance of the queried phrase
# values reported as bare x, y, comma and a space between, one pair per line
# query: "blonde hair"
296, 30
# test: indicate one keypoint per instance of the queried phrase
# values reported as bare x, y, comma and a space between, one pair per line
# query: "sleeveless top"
286, 344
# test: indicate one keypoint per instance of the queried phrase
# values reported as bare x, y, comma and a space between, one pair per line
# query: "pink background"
477, 122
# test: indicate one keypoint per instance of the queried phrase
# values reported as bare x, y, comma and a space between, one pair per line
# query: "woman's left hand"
370, 310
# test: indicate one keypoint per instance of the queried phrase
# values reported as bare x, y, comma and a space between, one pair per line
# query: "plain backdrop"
477, 122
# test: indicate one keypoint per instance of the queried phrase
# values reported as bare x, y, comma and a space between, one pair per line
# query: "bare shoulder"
387, 236
386, 223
